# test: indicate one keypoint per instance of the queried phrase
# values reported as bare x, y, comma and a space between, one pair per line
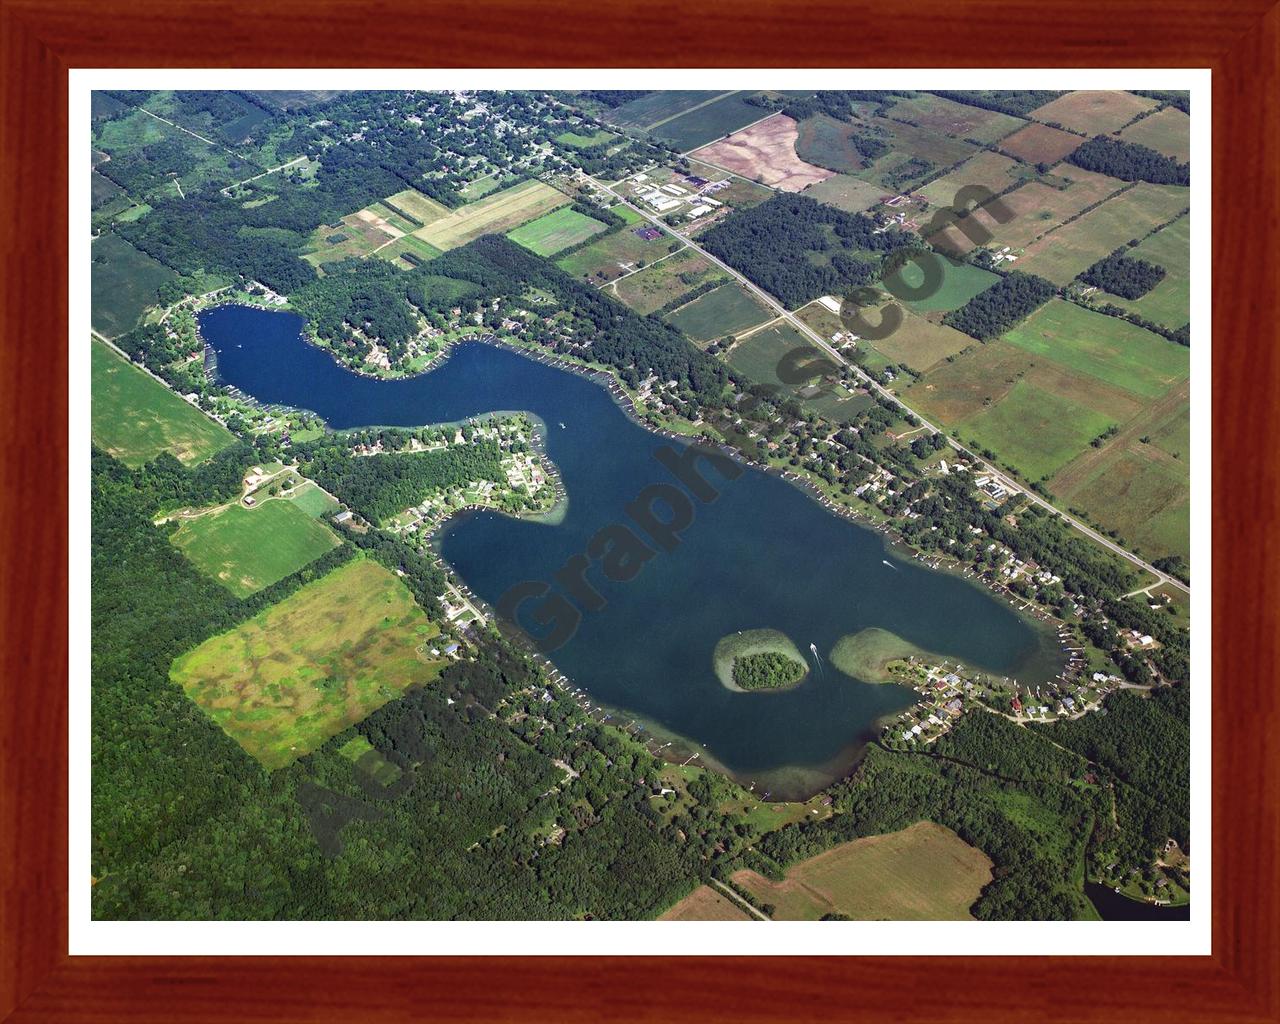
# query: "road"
739, 900
817, 339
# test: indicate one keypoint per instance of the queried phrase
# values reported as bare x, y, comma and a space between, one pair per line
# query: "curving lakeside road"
808, 332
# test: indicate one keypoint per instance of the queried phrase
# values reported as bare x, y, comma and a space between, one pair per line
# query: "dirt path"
739, 900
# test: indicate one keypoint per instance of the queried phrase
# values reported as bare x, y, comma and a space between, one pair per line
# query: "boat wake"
889, 564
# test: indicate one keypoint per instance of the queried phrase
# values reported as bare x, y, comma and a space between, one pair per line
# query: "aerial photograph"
677, 505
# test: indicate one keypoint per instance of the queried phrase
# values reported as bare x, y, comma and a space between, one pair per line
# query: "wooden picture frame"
42, 39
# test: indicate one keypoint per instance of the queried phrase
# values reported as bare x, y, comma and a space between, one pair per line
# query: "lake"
762, 555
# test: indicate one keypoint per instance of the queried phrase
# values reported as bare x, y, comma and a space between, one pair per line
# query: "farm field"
246, 549
706, 904
958, 120
698, 126
418, 207
906, 143
920, 343
1034, 430
1104, 347
960, 283
659, 106
123, 283
822, 320
729, 309
1166, 131
922, 873
496, 213
765, 152
555, 231
666, 281
321, 660
757, 358
1169, 302
1035, 209
986, 168
845, 192
135, 417
1070, 250
407, 251
614, 254
358, 234
1092, 112
1038, 143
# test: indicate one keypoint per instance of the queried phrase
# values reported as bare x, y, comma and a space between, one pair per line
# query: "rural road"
808, 332
739, 900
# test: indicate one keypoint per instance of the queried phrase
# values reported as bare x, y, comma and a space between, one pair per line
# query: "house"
451, 649
342, 517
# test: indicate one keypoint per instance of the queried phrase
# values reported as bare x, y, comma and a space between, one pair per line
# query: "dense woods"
1018, 102
1126, 276
1004, 305
797, 249
1129, 161
765, 670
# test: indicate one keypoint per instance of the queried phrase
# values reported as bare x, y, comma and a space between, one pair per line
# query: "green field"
495, 213
657, 106
314, 501
958, 120
666, 281
597, 138
415, 247
1105, 347
987, 168
614, 254
135, 417
729, 309
845, 192
246, 549
1143, 495
1093, 112
1167, 131
919, 343
824, 141
123, 283
707, 123
1035, 430
960, 283
1063, 254
558, 230
1169, 302
321, 660
922, 873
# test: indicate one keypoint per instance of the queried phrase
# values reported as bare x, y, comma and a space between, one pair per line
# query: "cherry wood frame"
41, 39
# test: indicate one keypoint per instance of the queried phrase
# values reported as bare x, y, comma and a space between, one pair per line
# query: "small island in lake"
759, 659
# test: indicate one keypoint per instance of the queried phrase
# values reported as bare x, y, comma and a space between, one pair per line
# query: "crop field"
558, 230
396, 219
1035, 430
824, 141
706, 904
1169, 302
578, 141
358, 234
423, 209
1104, 347
665, 281
958, 120
920, 343
103, 190
820, 319
960, 283
321, 660
845, 192
246, 549
986, 168
1040, 144
729, 309
700, 125
1075, 247
494, 214
922, 873
757, 358
123, 283
1166, 131
407, 251
614, 254
906, 142
657, 107
1036, 208
135, 417
480, 187
1093, 113
766, 152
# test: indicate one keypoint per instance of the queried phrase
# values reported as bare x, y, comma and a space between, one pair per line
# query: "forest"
1018, 102
1122, 275
1004, 305
797, 249
381, 486
365, 296
1129, 161
766, 670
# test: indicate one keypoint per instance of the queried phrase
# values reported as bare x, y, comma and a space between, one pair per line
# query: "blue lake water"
763, 554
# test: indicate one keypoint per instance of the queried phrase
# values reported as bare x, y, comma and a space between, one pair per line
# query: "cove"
763, 555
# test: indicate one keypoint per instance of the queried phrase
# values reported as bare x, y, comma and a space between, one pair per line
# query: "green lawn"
246, 549
555, 232
135, 417
314, 501
1034, 430
577, 141
1105, 347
